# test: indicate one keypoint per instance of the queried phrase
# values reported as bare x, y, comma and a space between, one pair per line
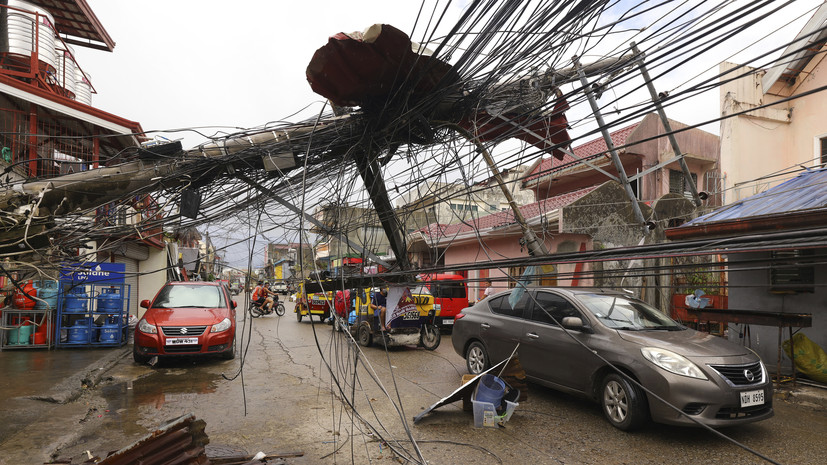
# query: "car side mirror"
573, 322
145, 303
234, 304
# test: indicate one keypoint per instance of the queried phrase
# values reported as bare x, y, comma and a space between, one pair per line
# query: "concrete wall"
508, 246
153, 276
749, 291
766, 141
701, 150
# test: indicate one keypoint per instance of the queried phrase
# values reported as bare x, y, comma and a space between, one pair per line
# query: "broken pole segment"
535, 246
687, 175
621, 172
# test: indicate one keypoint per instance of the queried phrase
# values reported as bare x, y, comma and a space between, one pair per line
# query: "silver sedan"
617, 350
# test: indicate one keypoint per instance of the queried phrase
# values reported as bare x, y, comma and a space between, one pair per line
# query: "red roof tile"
505, 218
593, 147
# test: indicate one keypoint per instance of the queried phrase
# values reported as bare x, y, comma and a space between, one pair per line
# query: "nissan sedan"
187, 318
619, 351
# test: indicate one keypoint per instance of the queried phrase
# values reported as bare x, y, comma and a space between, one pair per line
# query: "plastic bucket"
490, 389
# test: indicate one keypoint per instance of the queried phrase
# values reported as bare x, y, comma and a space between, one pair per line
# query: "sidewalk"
37, 381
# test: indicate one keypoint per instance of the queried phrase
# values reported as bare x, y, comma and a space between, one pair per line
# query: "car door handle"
485, 325
533, 335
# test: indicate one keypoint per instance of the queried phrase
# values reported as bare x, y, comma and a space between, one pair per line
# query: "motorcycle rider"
259, 296
269, 301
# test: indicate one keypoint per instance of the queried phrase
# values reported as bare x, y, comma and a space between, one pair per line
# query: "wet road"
288, 397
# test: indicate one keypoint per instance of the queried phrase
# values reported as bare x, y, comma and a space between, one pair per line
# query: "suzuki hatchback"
187, 318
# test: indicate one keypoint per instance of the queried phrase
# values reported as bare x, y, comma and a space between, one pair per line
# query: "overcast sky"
220, 65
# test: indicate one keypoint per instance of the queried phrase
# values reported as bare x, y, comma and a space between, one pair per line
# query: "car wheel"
364, 335
429, 337
142, 359
624, 404
476, 358
229, 354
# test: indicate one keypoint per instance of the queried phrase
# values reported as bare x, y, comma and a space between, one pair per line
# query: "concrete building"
579, 209
449, 203
49, 127
774, 122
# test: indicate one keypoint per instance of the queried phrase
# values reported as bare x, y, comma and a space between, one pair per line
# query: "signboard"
110, 273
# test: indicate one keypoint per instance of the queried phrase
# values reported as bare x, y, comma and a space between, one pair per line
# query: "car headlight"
145, 327
223, 326
672, 362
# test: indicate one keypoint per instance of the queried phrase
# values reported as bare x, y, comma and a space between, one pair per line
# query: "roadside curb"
806, 396
73, 386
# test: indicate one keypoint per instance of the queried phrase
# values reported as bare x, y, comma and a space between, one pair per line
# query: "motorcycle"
257, 310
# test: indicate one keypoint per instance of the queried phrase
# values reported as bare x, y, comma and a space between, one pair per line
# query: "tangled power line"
510, 63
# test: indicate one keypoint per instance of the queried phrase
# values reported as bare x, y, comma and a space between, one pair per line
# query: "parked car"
569, 337
187, 318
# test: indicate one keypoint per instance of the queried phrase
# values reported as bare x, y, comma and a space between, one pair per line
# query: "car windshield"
619, 312
420, 290
189, 295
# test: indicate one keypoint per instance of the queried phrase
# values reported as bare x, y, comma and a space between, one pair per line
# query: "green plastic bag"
810, 359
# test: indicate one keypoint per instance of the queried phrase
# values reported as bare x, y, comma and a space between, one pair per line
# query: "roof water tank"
83, 88
29, 29
67, 71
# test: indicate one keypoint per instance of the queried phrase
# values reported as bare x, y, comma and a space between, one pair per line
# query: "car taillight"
459, 315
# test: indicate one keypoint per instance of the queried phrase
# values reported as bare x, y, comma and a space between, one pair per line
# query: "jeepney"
319, 304
416, 326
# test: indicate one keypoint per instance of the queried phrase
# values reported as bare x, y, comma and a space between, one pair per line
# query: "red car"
187, 318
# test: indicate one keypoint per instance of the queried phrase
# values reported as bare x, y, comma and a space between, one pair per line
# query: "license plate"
750, 398
177, 341
448, 321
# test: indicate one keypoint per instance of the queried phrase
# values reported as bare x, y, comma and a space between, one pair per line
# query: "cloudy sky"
217, 65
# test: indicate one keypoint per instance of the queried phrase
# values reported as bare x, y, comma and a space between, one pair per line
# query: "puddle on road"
159, 388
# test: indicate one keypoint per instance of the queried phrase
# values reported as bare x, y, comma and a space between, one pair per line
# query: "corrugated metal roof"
804, 193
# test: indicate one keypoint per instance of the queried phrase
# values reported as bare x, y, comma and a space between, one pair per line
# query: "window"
449, 289
516, 272
788, 274
501, 306
551, 305
459, 207
678, 185
823, 143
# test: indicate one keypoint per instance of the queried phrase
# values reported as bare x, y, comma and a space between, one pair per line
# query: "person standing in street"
379, 304
489, 290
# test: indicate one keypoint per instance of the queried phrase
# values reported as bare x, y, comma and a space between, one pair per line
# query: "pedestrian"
379, 303
489, 290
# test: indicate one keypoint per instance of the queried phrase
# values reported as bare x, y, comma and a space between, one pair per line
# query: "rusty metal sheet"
180, 441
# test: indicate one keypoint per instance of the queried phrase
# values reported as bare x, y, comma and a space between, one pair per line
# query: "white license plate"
448, 321
177, 341
750, 398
